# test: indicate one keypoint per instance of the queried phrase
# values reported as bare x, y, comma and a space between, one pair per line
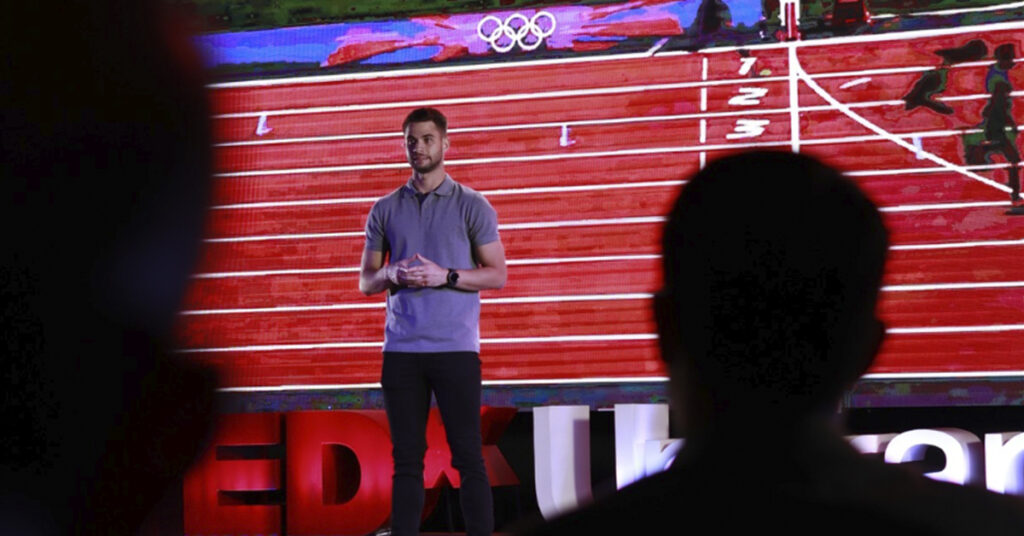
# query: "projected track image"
581, 158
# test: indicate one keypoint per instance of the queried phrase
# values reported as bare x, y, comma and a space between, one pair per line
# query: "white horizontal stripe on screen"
945, 206
954, 245
378, 344
564, 260
292, 271
953, 286
570, 93
934, 169
580, 223
501, 227
943, 375
609, 121
513, 97
593, 258
603, 187
522, 158
591, 154
613, 380
571, 338
487, 193
636, 220
487, 383
260, 238
381, 304
520, 126
955, 329
571, 298
355, 269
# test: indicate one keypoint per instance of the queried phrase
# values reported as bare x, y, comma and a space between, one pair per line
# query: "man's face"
425, 146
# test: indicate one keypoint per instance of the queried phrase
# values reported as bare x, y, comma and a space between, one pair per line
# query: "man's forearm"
372, 282
483, 278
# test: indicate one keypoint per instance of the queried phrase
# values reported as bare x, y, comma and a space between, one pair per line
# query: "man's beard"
427, 167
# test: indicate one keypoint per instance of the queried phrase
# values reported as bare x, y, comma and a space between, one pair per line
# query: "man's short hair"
421, 115
772, 267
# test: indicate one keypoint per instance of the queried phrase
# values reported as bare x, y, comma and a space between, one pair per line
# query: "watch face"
453, 277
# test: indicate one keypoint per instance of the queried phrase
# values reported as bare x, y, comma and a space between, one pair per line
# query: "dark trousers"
408, 380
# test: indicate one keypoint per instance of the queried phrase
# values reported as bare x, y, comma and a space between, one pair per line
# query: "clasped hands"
417, 272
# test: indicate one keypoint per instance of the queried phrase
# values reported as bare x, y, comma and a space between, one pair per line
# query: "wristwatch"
453, 278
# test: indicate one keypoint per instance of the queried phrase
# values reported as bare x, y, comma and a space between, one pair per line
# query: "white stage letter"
962, 450
561, 458
1004, 462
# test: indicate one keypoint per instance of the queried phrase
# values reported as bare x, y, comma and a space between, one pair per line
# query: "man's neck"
428, 182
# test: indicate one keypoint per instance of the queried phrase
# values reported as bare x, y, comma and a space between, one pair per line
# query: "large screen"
581, 154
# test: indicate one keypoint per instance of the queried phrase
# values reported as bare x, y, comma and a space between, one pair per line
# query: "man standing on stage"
432, 245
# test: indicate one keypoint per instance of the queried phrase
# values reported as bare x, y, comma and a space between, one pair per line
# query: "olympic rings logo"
528, 33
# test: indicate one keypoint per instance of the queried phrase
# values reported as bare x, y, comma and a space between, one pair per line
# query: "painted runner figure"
432, 245
998, 124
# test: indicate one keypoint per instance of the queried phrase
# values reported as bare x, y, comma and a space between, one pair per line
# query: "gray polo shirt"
446, 227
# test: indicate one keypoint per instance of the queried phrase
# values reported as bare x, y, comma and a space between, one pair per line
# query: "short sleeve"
375, 238
483, 223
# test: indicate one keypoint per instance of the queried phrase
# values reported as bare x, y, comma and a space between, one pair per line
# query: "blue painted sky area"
303, 44
747, 12
313, 44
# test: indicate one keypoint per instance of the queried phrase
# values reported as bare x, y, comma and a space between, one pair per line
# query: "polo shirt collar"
446, 187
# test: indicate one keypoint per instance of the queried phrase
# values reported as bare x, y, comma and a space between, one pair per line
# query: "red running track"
581, 159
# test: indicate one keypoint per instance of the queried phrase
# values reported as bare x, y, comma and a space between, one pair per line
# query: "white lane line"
487, 193
657, 46
794, 99
511, 300
615, 380
355, 269
891, 137
493, 160
943, 375
620, 152
956, 329
572, 93
958, 245
703, 115
300, 236
953, 286
377, 344
944, 206
623, 337
481, 99
635, 220
486, 383
592, 258
855, 82
501, 227
570, 298
919, 170
580, 223
569, 260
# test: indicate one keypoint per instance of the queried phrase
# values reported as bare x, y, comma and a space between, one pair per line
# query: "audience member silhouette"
105, 175
772, 268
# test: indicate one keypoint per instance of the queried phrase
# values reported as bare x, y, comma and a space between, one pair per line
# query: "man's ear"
667, 320
445, 142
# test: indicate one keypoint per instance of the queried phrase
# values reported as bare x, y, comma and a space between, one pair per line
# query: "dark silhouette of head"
772, 267
1004, 55
106, 175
